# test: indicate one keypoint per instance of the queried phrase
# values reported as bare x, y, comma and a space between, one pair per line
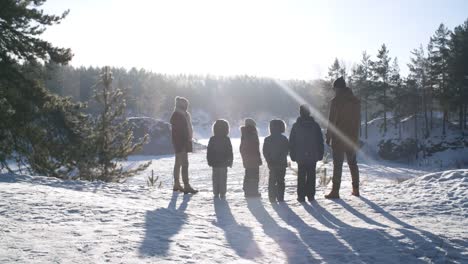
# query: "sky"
278, 39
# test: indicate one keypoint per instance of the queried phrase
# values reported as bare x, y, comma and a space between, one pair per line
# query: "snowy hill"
405, 142
420, 220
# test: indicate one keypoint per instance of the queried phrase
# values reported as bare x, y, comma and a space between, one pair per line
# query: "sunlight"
322, 119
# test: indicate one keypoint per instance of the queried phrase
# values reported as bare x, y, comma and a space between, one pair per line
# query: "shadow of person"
371, 245
239, 237
161, 225
323, 243
427, 244
358, 214
290, 244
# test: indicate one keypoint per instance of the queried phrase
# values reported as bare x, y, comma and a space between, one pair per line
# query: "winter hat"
339, 83
277, 126
181, 103
221, 127
304, 110
250, 122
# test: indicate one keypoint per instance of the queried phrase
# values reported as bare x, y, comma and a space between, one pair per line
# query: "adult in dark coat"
343, 135
219, 156
275, 151
182, 134
250, 152
306, 148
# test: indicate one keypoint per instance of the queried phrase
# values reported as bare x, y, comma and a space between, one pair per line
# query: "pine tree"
112, 140
418, 67
381, 67
439, 54
39, 130
458, 70
396, 87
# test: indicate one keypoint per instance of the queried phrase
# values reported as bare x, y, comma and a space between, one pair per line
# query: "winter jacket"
250, 147
219, 152
275, 146
181, 127
345, 116
306, 141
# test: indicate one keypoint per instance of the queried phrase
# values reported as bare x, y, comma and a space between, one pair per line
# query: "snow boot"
333, 195
355, 191
190, 190
178, 188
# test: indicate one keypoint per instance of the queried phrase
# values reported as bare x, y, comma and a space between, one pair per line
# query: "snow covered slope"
420, 220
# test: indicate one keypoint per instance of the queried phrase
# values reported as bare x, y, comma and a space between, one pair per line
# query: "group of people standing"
304, 146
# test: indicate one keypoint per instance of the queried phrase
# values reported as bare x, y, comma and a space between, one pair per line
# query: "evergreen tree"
418, 67
112, 140
458, 69
39, 130
381, 68
439, 54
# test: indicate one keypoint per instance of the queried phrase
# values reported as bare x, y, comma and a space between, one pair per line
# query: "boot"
355, 191
178, 187
333, 195
190, 190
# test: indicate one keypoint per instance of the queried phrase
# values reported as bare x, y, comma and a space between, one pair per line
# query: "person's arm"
331, 122
266, 150
231, 155
209, 153
292, 143
319, 142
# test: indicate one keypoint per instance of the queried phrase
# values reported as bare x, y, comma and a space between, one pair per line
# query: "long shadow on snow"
162, 224
290, 244
323, 243
372, 245
435, 248
239, 237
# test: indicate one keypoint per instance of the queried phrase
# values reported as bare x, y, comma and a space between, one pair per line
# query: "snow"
405, 215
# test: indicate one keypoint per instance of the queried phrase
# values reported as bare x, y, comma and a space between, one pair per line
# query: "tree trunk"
385, 107
444, 121
365, 111
426, 121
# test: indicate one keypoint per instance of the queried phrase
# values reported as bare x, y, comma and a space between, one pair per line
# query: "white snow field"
420, 220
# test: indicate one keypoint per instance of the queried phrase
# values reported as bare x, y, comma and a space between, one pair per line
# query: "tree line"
64, 121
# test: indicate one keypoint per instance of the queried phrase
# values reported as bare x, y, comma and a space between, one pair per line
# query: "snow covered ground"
420, 220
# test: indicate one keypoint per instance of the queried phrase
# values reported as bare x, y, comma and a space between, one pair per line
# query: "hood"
221, 128
277, 126
248, 130
181, 103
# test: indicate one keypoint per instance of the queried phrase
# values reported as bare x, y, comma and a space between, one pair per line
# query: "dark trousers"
276, 184
338, 158
306, 180
251, 179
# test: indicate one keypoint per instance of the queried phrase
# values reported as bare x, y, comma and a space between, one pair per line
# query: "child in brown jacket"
250, 152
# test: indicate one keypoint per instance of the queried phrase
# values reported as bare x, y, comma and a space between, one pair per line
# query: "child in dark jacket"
219, 156
275, 151
306, 148
250, 152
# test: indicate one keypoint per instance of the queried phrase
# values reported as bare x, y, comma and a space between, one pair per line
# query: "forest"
53, 115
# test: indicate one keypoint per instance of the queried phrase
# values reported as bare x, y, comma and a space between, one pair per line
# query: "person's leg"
310, 182
280, 184
215, 177
176, 174
245, 185
223, 182
338, 157
272, 185
301, 182
354, 170
255, 180
185, 175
